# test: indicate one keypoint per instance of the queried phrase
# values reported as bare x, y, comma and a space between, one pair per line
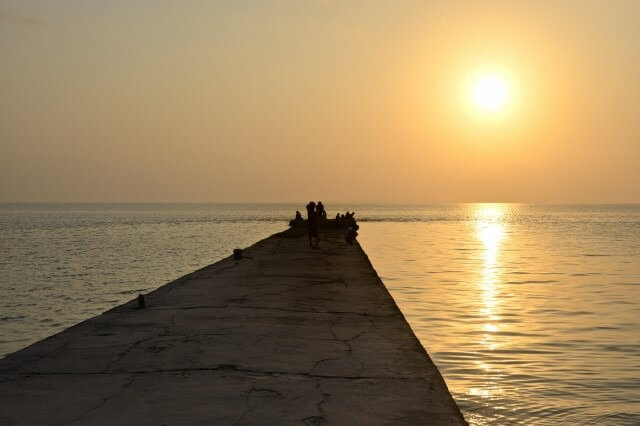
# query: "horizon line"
359, 202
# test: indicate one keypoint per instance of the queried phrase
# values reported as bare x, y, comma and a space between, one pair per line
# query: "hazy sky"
296, 100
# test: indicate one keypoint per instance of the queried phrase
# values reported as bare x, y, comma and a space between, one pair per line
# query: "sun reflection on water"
525, 324
490, 231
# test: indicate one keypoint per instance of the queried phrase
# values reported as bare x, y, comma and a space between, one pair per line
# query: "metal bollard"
141, 302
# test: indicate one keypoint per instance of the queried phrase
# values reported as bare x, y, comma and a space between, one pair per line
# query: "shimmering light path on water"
532, 313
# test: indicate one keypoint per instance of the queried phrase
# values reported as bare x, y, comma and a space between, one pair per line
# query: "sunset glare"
490, 92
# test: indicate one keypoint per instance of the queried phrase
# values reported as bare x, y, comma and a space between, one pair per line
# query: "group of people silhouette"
345, 220
316, 215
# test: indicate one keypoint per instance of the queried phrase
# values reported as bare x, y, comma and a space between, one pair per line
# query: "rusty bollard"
141, 302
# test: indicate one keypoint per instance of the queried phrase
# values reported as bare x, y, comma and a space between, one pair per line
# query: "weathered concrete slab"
288, 335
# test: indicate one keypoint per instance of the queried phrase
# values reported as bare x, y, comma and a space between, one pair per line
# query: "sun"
490, 92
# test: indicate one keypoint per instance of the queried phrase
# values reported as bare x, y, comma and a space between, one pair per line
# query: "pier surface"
286, 335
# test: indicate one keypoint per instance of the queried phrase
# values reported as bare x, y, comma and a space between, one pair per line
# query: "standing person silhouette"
312, 225
321, 213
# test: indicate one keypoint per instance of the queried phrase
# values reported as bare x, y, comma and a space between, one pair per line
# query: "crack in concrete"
267, 390
313, 420
126, 352
220, 368
348, 342
249, 394
319, 404
269, 308
247, 397
102, 402
305, 311
317, 363
190, 336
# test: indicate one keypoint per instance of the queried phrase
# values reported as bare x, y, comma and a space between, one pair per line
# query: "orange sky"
293, 100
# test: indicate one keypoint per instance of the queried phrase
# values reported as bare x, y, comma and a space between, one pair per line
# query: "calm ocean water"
532, 313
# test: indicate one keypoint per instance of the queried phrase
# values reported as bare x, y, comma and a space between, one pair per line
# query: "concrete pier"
285, 335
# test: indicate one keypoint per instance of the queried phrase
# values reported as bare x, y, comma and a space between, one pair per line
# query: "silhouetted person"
352, 233
348, 219
298, 220
312, 224
321, 213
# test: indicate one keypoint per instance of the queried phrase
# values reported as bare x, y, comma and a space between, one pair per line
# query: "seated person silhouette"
352, 233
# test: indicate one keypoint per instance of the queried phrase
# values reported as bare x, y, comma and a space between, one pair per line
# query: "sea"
530, 312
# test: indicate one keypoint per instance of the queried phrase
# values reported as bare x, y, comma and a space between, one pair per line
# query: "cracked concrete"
287, 335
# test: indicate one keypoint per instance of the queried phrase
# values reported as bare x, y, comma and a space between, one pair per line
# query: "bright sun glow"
490, 92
